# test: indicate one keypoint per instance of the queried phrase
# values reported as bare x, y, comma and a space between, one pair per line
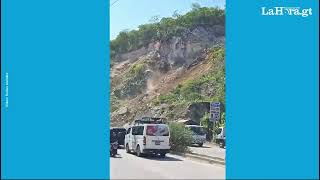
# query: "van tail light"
144, 140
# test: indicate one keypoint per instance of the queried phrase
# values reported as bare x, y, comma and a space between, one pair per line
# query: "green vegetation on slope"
209, 87
166, 28
137, 70
134, 82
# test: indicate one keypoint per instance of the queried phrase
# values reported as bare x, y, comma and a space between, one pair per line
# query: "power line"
114, 3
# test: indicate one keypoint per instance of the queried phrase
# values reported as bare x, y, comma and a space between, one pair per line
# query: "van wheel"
162, 155
127, 148
200, 144
138, 151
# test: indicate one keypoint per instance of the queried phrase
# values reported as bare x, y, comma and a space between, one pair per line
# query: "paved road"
210, 150
128, 166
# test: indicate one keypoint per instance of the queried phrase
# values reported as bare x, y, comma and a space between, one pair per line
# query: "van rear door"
137, 133
157, 136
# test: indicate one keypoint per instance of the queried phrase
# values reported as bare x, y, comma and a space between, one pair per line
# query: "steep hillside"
172, 76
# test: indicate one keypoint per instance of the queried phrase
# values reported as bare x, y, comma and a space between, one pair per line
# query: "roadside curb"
201, 158
206, 156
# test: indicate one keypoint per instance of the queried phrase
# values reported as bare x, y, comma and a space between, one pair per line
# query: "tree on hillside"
154, 19
195, 6
176, 14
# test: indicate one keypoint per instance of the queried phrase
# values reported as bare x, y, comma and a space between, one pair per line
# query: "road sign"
214, 111
214, 105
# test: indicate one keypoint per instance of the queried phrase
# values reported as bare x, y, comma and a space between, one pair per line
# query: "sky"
129, 14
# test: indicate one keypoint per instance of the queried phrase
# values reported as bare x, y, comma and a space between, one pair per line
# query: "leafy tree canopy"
161, 29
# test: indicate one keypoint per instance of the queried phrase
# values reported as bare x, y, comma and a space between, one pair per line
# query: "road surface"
129, 166
209, 150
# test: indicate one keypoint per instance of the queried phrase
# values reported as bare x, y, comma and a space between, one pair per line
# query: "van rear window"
157, 130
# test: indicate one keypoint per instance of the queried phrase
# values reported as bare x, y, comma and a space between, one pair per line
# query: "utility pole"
210, 130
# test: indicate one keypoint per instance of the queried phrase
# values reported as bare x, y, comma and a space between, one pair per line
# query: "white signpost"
214, 111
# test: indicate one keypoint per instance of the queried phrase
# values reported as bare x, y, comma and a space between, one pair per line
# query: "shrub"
223, 120
205, 120
137, 70
180, 137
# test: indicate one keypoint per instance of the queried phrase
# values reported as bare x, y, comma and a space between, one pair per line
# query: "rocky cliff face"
183, 50
179, 50
141, 76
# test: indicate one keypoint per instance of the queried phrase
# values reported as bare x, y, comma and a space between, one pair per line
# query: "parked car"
148, 138
121, 132
198, 134
221, 137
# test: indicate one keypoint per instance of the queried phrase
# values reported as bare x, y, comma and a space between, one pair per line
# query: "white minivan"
148, 139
